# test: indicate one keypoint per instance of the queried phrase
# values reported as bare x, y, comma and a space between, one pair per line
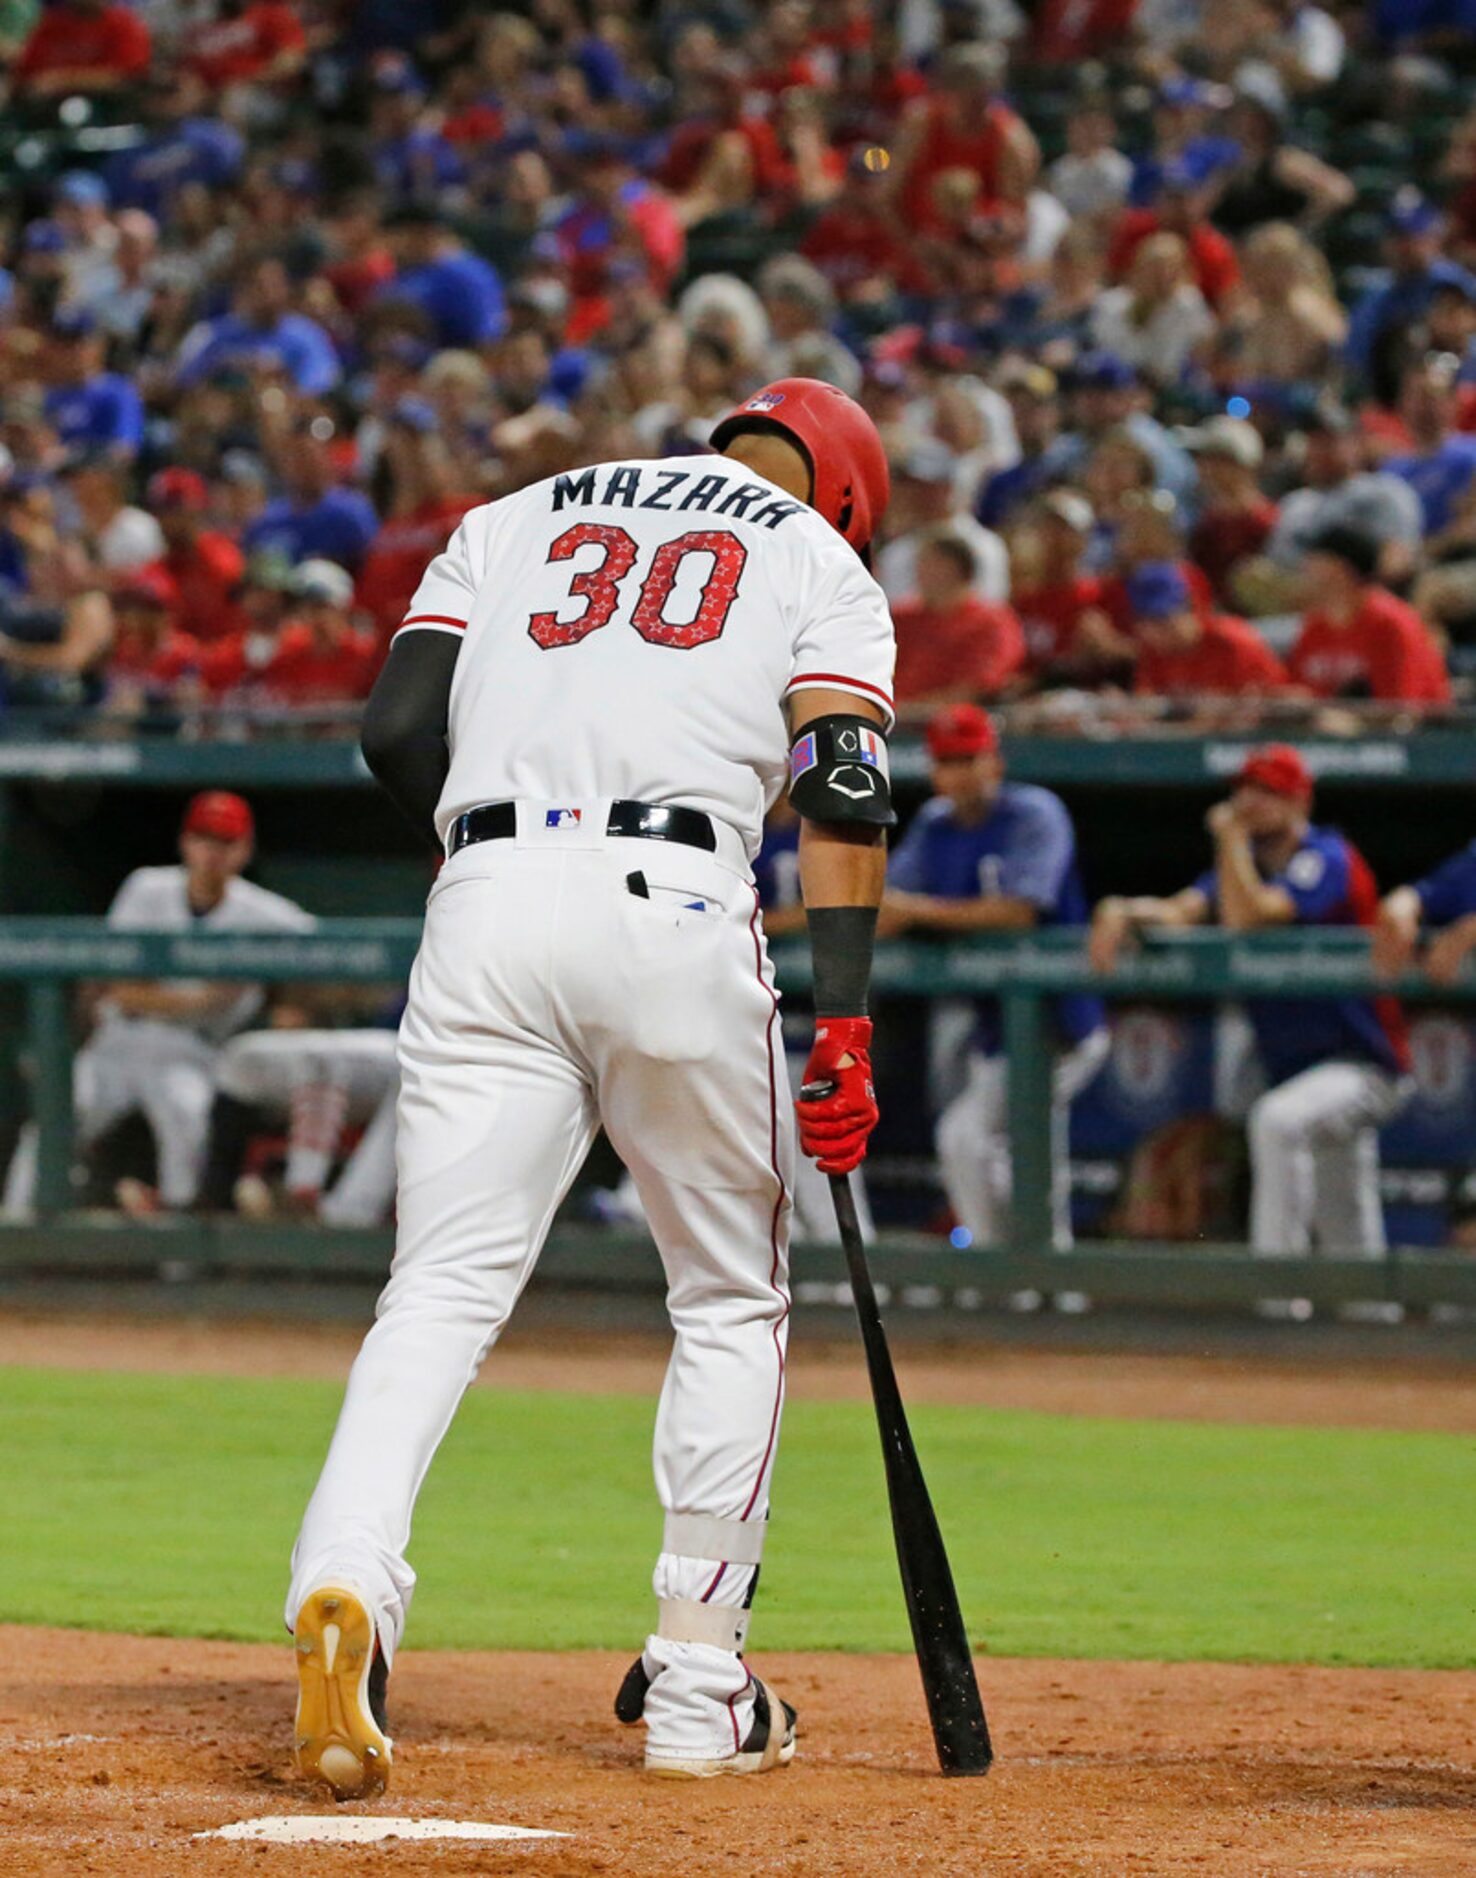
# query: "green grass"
168, 1505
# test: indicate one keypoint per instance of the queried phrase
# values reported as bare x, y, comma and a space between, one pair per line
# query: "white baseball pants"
1314, 1147
164, 1072
973, 1140
548, 997
323, 1080
813, 1220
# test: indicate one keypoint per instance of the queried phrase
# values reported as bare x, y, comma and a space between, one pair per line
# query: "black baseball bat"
960, 1731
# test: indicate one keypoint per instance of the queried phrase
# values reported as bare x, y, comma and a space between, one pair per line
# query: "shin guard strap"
700, 1535
684, 1620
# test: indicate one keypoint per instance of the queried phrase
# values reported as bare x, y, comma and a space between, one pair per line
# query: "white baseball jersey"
631, 630
157, 899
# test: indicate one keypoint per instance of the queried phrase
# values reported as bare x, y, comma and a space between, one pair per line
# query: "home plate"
364, 1829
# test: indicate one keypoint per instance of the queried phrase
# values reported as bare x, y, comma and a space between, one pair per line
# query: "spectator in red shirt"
1182, 209
1359, 641
421, 507
857, 243
152, 661
723, 155
248, 41
204, 565
1066, 31
951, 645
1059, 606
321, 656
1235, 517
965, 125
88, 46
1188, 654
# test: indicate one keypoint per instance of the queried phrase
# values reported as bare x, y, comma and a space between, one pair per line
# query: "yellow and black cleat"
340, 1731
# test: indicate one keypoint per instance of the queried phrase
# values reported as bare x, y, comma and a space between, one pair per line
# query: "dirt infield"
117, 1749
1391, 1392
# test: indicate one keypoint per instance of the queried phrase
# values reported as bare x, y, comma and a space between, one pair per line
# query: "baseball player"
599, 689
1337, 1068
155, 1045
987, 855
323, 1081
1443, 903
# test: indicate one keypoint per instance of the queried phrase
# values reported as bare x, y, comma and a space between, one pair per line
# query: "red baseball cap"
216, 812
961, 730
153, 586
177, 489
1279, 768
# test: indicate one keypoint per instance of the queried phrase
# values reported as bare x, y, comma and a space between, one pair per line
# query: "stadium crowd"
1167, 313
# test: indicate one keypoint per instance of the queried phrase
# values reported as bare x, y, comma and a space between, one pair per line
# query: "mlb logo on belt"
562, 818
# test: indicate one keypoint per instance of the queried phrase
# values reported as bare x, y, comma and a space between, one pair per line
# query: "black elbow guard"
838, 772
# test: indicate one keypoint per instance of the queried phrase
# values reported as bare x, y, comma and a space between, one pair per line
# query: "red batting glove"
836, 1122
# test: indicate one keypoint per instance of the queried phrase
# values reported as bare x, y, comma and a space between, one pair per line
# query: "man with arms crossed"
597, 691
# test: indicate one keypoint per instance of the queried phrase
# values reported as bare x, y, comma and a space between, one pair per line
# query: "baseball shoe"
340, 1732
764, 1748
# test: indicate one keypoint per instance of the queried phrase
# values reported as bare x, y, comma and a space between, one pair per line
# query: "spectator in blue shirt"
411, 159
1443, 462
1184, 134
315, 519
987, 855
1443, 903
261, 333
1383, 317
88, 408
180, 149
458, 292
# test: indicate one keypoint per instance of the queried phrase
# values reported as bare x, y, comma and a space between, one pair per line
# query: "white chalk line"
364, 1829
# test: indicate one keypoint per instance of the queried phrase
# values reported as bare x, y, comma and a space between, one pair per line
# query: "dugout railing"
46, 959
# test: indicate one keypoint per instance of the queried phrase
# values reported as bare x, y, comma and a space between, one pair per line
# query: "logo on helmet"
765, 401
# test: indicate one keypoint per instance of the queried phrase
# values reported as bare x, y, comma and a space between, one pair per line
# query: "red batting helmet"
849, 481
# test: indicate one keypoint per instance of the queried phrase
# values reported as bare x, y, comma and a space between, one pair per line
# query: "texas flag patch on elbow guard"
869, 748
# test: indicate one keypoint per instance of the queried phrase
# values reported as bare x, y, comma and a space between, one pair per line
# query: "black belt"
642, 821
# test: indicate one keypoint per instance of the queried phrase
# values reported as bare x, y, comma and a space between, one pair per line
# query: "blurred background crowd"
1167, 312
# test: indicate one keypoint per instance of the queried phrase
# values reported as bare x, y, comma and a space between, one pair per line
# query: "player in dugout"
989, 855
1337, 1068
154, 1047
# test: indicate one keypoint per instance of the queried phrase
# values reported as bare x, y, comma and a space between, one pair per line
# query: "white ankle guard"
700, 1535
684, 1620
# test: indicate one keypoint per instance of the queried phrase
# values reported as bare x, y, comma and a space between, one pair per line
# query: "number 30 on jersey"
599, 587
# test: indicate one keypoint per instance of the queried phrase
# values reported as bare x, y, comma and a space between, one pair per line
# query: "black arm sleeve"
404, 732
841, 943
